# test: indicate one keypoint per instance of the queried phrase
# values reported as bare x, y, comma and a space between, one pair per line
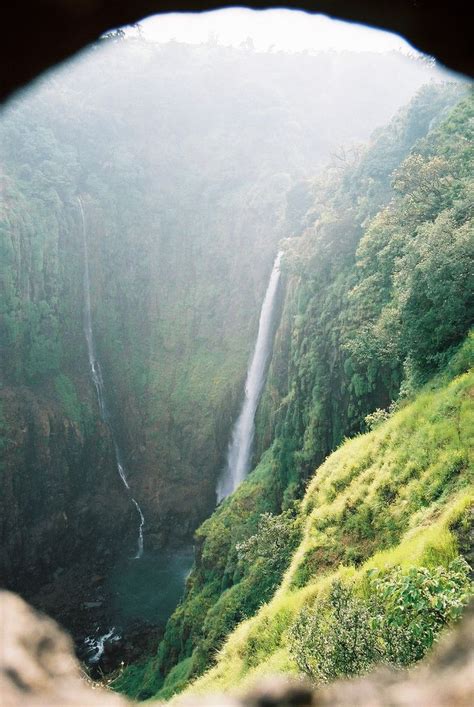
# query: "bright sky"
289, 30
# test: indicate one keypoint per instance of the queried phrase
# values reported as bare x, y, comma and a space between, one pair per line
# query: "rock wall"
61, 498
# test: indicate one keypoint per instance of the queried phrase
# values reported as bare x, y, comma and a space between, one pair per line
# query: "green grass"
398, 495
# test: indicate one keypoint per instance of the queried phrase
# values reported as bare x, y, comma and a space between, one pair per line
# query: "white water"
240, 448
98, 381
96, 645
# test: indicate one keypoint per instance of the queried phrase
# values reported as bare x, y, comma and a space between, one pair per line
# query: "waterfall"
98, 381
240, 448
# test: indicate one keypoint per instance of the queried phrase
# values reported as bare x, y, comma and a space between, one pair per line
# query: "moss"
176, 679
3, 433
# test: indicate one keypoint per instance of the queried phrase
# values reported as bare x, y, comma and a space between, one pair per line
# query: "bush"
396, 622
375, 418
336, 640
416, 605
272, 545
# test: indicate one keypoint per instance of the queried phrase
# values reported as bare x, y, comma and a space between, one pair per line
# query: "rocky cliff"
183, 213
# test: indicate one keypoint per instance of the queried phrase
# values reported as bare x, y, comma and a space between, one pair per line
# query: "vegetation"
396, 621
3, 434
347, 545
68, 396
382, 546
183, 213
371, 313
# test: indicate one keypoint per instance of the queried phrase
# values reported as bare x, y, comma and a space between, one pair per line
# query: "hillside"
161, 205
378, 299
388, 507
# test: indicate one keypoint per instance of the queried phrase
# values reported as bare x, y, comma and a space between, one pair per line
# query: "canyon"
171, 349
196, 308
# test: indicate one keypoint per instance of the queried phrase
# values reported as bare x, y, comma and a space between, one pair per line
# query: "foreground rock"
38, 669
37, 663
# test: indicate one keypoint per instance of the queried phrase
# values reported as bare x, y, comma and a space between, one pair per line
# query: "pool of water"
149, 588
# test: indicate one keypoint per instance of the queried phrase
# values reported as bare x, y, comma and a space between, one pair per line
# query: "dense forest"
149, 187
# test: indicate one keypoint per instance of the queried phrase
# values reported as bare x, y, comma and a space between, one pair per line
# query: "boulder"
38, 669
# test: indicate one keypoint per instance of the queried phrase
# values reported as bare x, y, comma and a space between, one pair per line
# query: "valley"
236, 386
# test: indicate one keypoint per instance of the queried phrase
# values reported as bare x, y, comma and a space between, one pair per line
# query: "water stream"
240, 448
98, 381
96, 644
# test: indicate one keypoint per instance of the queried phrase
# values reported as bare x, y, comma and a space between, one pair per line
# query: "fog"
269, 30
147, 186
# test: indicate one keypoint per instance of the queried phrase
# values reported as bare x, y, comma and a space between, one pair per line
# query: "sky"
287, 30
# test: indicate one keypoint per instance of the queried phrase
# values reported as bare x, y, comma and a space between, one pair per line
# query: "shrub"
417, 605
337, 640
396, 622
375, 418
272, 545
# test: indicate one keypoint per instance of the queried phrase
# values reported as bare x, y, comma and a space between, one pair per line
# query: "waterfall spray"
97, 379
240, 448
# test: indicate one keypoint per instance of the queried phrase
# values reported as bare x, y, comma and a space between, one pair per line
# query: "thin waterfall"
98, 381
240, 448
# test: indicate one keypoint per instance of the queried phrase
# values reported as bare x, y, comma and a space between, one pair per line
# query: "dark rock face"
37, 668
62, 501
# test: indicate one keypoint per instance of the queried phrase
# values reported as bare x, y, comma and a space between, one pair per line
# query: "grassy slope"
399, 495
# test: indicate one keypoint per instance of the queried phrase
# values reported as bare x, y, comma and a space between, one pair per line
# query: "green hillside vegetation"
378, 299
380, 568
357, 512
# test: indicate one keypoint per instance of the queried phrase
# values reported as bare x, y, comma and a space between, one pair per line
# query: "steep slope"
399, 496
183, 212
378, 297
61, 495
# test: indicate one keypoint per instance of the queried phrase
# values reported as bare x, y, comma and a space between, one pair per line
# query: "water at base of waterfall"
145, 591
95, 645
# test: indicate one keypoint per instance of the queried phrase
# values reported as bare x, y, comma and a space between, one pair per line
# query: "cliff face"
183, 213
174, 332
377, 300
61, 494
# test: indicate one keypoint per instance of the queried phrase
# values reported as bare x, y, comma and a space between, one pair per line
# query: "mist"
148, 189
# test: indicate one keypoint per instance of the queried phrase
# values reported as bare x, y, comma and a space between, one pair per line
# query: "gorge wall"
169, 199
377, 303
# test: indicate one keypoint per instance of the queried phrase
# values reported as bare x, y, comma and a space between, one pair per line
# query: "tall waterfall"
98, 381
240, 448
